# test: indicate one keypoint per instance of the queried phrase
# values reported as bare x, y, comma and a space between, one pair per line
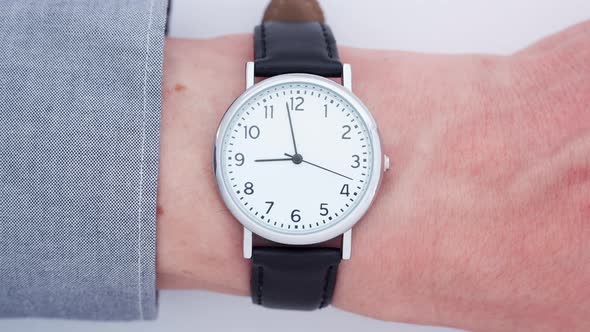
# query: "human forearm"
465, 221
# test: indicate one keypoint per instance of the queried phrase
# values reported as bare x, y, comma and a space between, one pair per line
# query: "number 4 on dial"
344, 190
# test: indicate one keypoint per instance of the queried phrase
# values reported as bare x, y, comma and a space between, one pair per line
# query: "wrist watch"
298, 161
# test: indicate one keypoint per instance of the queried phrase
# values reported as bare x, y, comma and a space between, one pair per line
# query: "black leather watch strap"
298, 278
294, 39
295, 47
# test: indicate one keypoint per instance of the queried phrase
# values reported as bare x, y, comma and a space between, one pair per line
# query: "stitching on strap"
259, 286
324, 301
325, 33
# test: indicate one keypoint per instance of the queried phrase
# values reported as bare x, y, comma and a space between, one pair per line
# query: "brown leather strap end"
293, 11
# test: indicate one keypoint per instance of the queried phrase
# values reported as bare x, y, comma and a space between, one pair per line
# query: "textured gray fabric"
80, 85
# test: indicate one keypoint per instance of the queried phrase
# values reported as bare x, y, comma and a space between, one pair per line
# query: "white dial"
296, 157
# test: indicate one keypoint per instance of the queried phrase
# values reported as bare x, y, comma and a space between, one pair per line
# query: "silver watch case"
344, 226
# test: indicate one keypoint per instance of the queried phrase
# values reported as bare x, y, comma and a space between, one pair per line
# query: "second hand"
318, 166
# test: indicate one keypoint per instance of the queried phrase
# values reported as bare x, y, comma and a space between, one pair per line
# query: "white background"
449, 26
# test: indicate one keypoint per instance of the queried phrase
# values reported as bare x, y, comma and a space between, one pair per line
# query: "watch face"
297, 159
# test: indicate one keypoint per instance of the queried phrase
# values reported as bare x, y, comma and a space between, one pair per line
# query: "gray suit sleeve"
80, 89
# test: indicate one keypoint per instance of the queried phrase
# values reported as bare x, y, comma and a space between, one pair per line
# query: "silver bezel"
338, 228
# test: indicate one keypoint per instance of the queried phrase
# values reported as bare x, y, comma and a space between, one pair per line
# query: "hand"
297, 159
275, 159
482, 222
291, 126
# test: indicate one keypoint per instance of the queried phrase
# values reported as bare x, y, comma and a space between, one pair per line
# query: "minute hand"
318, 166
291, 126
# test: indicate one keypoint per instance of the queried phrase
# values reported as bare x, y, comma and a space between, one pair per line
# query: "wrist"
465, 220
198, 242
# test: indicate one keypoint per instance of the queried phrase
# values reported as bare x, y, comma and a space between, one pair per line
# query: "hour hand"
272, 159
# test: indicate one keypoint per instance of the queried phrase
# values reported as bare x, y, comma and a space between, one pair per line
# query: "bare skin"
483, 223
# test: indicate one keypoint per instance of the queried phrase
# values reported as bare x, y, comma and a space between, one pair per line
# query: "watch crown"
386, 162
